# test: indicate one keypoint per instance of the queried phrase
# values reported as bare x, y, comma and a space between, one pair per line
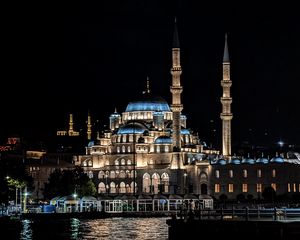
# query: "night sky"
74, 57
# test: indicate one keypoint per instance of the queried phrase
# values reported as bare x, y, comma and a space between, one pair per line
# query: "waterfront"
109, 228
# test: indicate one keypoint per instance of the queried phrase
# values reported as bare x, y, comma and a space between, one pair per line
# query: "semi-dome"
132, 128
262, 160
277, 160
149, 102
163, 140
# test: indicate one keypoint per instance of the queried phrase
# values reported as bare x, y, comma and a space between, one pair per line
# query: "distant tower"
89, 127
115, 120
71, 124
226, 101
176, 91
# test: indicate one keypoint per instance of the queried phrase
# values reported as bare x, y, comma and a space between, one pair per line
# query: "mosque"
149, 150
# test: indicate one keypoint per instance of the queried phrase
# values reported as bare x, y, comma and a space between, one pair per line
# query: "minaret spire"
176, 91
148, 85
89, 127
71, 124
226, 101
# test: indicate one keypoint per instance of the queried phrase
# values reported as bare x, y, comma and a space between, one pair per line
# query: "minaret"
226, 101
89, 127
176, 91
71, 124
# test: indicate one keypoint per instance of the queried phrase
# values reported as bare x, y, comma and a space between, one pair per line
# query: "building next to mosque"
149, 150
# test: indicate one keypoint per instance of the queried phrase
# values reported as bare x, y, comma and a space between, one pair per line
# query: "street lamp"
184, 182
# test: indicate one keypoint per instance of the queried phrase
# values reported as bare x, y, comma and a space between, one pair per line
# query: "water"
109, 228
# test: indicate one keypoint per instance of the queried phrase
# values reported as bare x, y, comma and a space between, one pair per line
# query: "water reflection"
111, 228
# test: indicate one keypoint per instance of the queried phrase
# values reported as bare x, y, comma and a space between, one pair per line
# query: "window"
273, 173
273, 185
84, 163
128, 162
122, 161
123, 149
90, 163
90, 174
217, 188
165, 182
289, 187
158, 149
128, 149
294, 187
217, 173
245, 173
231, 173
118, 149
258, 187
101, 175
124, 138
122, 188
245, 187
116, 162
258, 173
101, 188
106, 162
166, 148
230, 187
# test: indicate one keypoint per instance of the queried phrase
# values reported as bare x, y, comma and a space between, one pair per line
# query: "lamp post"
75, 198
184, 182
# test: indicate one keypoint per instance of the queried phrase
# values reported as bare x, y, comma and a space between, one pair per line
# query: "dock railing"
241, 214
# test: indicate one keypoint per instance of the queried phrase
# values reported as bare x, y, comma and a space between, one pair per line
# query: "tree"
68, 182
240, 197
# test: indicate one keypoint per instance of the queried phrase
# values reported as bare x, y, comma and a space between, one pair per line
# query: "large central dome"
149, 102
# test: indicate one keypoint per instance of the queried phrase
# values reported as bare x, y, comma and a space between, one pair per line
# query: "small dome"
250, 161
132, 128
149, 102
235, 161
262, 160
91, 143
222, 161
163, 140
277, 160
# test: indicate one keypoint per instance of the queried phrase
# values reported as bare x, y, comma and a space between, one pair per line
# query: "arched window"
90, 174
90, 163
101, 188
123, 161
217, 173
133, 174
112, 174
127, 188
129, 162
128, 149
122, 188
158, 149
122, 174
245, 173
155, 182
127, 174
101, 175
123, 149
124, 138
132, 185
166, 148
165, 181
117, 162
146, 183
113, 187
118, 149
84, 164
106, 162
203, 177
231, 173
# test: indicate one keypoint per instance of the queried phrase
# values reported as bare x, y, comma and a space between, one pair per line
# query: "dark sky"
78, 56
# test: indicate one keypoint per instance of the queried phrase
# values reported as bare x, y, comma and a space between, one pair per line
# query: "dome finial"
116, 110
